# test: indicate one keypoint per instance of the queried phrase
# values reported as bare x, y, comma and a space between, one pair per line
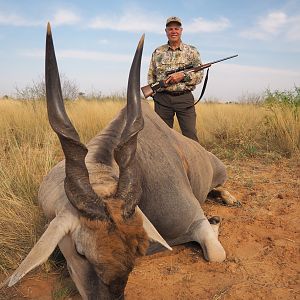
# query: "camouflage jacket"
164, 59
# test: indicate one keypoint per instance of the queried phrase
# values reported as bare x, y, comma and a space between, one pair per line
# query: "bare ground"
261, 240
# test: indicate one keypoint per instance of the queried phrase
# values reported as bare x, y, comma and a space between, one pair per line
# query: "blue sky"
95, 42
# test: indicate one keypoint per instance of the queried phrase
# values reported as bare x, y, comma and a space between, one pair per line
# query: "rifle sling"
203, 89
201, 95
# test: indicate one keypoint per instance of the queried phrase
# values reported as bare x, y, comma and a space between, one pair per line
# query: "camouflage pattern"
164, 59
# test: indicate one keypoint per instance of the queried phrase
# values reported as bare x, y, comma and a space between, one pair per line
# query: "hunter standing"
176, 98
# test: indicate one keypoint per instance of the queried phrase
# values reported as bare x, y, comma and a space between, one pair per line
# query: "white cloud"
37, 53
80, 54
273, 25
273, 22
132, 20
16, 20
61, 17
94, 55
65, 17
201, 25
103, 42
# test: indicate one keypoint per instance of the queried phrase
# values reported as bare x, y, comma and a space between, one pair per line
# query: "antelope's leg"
206, 235
220, 194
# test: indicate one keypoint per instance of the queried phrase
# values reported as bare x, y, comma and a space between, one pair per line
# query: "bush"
37, 90
290, 98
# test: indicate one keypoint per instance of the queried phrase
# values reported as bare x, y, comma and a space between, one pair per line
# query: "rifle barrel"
205, 66
229, 57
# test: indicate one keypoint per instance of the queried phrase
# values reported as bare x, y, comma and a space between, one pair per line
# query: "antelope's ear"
153, 234
61, 225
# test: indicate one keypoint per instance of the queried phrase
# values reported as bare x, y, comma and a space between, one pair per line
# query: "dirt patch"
261, 240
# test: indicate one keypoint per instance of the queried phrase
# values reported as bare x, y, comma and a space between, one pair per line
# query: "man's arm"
194, 78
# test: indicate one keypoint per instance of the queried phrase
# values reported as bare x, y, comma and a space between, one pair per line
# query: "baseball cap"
173, 19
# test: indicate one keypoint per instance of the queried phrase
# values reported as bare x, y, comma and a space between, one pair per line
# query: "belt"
179, 93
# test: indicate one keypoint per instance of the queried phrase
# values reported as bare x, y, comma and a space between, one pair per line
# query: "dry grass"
29, 149
284, 129
238, 130
231, 128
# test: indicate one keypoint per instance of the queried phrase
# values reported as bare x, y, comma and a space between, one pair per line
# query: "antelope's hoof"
214, 220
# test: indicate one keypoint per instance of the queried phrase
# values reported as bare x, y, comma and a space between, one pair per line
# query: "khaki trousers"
167, 105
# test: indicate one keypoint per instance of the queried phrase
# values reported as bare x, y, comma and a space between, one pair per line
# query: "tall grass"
284, 129
27, 153
231, 129
285, 119
29, 149
236, 130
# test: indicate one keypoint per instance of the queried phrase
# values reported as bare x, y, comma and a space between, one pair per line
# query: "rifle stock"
151, 89
147, 90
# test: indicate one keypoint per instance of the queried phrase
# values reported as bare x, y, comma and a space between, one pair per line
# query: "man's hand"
174, 78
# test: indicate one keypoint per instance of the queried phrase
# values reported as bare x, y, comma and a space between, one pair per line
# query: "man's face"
174, 31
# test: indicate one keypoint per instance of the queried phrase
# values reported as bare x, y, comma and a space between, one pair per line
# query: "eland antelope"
137, 183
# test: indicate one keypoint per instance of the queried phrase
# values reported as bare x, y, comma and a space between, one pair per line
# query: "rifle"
184, 68
151, 89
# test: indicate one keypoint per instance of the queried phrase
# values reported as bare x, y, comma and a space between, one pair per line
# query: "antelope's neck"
101, 147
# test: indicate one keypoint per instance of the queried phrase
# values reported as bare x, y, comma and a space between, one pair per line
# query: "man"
177, 97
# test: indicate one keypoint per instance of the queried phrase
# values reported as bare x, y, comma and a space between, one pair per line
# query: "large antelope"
91, 197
